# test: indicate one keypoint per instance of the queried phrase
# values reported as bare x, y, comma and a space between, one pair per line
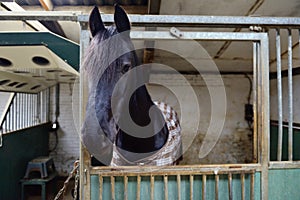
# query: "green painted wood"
284, 184
19, 148
172, 187
274, 144
65, 49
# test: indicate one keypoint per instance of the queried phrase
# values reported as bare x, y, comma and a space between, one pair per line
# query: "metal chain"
76, 182
74, 172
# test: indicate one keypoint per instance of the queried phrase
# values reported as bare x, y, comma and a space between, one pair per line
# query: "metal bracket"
176, 32
256, 28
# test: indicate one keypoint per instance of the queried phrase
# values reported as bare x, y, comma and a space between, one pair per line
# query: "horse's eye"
125, 68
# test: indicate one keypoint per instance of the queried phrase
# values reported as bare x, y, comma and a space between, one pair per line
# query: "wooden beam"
47, 5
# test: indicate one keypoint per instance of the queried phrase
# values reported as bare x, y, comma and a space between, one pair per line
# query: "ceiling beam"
47, 5
154, 7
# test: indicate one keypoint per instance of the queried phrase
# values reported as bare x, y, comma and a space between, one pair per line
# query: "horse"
123, 125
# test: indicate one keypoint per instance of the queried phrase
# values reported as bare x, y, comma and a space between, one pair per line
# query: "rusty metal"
204, 187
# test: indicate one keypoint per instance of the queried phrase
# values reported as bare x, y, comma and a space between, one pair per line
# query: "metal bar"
125, 187
152, 187
203, 187
85, 189
159, 20
191, 187
254, 82
205, 36
18, 111
230, 185
100, 187
30, 109
174, 170
264, 110
138, 185
38, 107
243, 186
284, 164
216, 187
202, 21
13, 116
38, 15
179, 186
290, 95
6, 109
27, 111
112, 183
279, 95
21, 110
166, 187
252, 181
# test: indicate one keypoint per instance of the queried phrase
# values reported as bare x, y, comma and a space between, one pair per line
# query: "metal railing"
24, 110
176, 182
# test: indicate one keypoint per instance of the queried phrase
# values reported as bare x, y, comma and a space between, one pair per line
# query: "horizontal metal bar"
284, 164
174, 170
39, 15
160, 20
202, 21
218, 36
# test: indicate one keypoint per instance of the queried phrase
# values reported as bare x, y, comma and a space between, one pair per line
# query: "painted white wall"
67, 150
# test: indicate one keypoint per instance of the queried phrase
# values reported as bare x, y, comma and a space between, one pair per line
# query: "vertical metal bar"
85, 189
230, 185
10, 119
216, 187
203, 187
179, 186
38, 107
243, 186
12, 116
30, 109
18, 111
254, 82
252, 181
279, 95
100, 187
191, 187
125, 187
166, 186
152, 187
112, 183
264, 110
138, 191
48, 105
21, 111
27, 111
290, 95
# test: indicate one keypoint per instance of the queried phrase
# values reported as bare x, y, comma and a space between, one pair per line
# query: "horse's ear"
95, 22
121, 19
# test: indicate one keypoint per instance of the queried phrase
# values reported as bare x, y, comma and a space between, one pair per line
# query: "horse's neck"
140, 104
